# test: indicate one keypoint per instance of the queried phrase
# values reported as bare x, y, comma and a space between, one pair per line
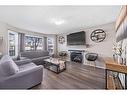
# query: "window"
50, 45
33, 43
13, 43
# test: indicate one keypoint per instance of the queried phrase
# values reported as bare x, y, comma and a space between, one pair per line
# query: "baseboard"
91, 65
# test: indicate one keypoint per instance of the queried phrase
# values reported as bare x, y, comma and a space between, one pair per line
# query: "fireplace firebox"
76, 56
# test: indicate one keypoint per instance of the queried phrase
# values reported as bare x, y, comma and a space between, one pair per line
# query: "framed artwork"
98, 35
61, 39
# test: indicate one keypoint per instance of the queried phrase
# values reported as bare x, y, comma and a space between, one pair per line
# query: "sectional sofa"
36, 57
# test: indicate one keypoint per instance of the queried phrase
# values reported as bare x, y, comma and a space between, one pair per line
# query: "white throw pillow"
8, 66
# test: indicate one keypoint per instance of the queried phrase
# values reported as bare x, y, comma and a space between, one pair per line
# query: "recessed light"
58, 21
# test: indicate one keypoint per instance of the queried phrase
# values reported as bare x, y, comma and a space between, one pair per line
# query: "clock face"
61, 39
98, 35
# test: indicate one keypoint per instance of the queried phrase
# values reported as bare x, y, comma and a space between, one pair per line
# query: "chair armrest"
24, 79
24, 73
21, 62
46, 57
17, 59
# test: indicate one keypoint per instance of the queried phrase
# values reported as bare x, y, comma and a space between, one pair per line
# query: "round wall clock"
98, 35
61, 39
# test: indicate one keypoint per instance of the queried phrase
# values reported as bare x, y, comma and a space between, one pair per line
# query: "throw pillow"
8, 66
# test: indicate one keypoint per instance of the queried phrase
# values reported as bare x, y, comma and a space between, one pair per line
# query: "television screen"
77, 38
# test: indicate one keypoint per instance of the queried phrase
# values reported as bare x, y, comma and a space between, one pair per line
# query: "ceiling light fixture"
58, 21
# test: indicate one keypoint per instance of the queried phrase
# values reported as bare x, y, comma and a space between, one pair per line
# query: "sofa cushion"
26, 67
34, 54
8, 66
40, 58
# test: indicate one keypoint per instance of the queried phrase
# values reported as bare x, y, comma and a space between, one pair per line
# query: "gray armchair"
28, 76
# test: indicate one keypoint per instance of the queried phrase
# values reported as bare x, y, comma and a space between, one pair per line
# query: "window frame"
16, 42
34, 46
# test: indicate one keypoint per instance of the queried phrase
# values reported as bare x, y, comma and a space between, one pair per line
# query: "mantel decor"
61, 39
98, 35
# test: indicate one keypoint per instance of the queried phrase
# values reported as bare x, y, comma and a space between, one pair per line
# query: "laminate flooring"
76, 76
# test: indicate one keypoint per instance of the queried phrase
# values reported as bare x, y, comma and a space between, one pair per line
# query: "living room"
58, 50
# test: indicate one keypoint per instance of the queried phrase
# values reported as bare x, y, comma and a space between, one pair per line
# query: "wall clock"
98, 35
61, 39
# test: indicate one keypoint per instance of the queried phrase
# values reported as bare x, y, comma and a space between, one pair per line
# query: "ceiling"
57, 19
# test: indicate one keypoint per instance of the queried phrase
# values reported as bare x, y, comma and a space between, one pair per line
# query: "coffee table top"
54, 60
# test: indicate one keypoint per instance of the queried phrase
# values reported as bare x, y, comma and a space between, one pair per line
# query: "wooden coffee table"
55, 65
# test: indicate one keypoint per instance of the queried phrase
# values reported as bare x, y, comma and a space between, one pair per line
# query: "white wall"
4, 42
104, 49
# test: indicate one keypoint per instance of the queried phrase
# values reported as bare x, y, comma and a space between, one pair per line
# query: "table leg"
58, 69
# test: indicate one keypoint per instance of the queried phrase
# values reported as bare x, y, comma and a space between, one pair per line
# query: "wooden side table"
115, 67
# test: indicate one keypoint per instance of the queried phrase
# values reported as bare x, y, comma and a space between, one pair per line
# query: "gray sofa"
28, 76
36, 56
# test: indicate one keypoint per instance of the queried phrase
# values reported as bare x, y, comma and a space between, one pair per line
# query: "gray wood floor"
77, 76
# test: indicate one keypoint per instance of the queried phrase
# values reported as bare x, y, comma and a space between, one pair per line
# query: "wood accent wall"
121, 17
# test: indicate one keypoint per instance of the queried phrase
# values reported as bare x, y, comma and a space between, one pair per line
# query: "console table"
115, 67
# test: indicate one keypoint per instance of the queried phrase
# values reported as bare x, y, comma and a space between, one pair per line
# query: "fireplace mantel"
77, 50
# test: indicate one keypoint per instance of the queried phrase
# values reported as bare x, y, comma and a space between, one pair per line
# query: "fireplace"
76, 56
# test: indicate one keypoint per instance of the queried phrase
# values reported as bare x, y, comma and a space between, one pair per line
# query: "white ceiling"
45, 19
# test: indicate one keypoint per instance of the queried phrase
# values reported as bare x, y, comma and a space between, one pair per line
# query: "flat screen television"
77, 38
